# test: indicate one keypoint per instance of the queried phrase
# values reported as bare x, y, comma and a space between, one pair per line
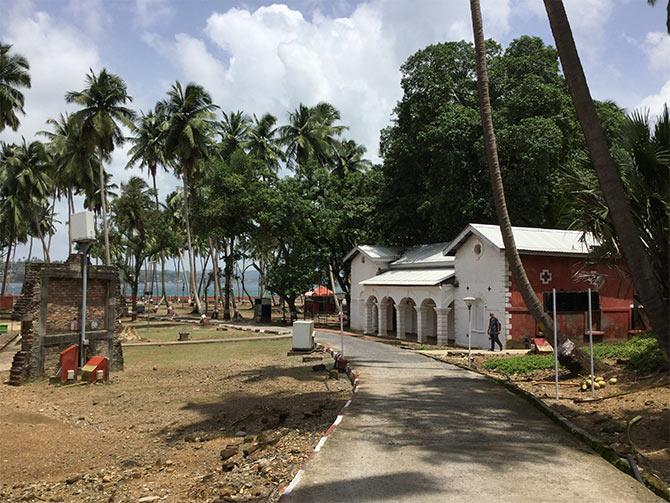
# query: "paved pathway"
423, 431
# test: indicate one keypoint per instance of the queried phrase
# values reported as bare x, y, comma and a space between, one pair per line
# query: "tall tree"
148, 145
190, 114
134, 220
75, 166
513, 258
25, 192
104, 111
13, 76
310, 134
234, 132
647, 284
148, 151
263, 144
348, 158
642, 154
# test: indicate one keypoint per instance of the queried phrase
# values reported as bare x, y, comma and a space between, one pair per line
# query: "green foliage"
435, 174
13, 76
642, 154
520, 365
643, 353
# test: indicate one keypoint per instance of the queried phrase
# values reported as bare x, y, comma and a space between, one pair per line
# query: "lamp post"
342, 305
82, 231
468, 302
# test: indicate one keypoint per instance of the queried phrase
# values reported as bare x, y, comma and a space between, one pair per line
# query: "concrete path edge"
607, 453
343, 364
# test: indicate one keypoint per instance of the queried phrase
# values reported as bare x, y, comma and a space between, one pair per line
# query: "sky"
261, 57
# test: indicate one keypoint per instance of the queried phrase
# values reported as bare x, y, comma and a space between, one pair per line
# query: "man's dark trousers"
495, 340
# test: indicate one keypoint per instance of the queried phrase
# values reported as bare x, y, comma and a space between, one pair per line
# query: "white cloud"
92, 14
273, 58
151, 12
655, 102
59, 58
657, 48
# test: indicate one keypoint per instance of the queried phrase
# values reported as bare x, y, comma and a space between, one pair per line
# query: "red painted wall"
616, 296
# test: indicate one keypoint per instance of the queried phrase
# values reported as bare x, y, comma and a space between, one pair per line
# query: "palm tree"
75, 166
530, 299
26, 189
190, 114
234, 131
148, 148
262, 143
348, 158
103, 112
643, 158
134, 218
149, 151
647, 284
13, 75
310, 133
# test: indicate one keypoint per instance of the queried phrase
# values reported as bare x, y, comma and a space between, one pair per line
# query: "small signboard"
542, 345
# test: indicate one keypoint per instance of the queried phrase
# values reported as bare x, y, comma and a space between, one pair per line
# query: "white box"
82, 226
303, 335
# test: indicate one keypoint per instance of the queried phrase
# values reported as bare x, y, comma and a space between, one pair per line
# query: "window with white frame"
478, 316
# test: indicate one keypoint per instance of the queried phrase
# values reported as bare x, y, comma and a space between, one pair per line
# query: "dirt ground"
215, 422
646, 396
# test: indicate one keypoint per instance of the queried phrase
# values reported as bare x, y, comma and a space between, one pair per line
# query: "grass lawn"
171, 333
200, 355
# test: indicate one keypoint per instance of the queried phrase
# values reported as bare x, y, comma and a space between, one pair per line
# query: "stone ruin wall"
49, 307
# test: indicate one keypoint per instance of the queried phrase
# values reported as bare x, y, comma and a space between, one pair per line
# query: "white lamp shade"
469, 301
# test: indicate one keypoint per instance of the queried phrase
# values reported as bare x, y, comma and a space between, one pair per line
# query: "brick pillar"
382, 320
442, 325
421, 325
400, 314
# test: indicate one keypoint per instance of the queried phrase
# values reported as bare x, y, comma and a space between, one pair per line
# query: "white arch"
427, 321
407, 318
386, 317
371, 315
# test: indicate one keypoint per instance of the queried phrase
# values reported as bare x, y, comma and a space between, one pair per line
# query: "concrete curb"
205, 341
607, 453
342, 364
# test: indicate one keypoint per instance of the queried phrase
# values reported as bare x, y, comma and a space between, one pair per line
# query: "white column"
421, 325
442, 325
367, 318
400, 321
382, 320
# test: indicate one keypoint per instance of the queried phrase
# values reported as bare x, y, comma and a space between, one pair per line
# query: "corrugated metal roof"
529, 239
411, 277
375, 252
424, 255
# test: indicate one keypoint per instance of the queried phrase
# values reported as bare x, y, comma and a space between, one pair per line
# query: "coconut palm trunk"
215, 271
6, 270
647, 285
103, 206
191, 258
568, 354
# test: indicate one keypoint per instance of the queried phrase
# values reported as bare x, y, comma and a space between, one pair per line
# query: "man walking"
494, 331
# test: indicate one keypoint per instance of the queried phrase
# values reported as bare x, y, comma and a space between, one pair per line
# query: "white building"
418, 293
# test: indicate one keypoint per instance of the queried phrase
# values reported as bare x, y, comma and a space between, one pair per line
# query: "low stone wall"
49, 310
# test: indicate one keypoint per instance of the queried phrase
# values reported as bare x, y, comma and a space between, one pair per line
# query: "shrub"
642, 352
523, 364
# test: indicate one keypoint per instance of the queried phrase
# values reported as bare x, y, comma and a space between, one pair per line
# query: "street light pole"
342, 304
468, 302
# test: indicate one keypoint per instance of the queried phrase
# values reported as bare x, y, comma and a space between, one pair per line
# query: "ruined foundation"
49, 310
